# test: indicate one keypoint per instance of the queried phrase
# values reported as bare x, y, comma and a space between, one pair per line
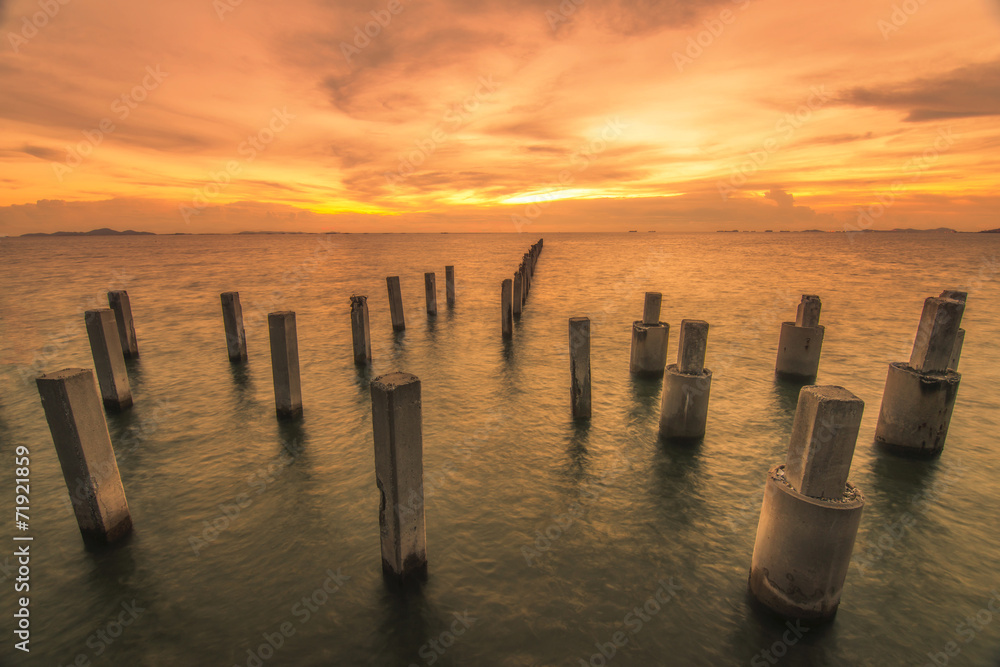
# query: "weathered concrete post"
801, 343
810, 514
395, 303
506, 309
119, 302
80, 434
430, 293
956, 353
232, 319
919, 396
109, 362
449, 285
285, 364
399, 473
650, 339
579, 366
687, 386
517, 301
360, 334
524, 283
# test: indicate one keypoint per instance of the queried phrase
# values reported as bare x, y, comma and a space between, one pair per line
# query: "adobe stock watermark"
784, 128
456, 117
899, 17
967, 630
249, 149
223, 7
915, 166
101, 639
581, 160
29, 28
779, 649
633, 623
122, 107
566, 9
372, 29
434, 649
714, 27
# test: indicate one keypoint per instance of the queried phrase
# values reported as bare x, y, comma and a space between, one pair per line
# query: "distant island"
991, 231
103, 231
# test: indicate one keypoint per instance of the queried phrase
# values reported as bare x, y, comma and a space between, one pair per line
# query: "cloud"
784, 199
965, 92
43, 153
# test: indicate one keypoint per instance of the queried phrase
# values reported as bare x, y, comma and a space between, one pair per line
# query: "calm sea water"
542, 535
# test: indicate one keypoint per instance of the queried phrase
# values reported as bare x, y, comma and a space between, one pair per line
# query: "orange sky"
521, 115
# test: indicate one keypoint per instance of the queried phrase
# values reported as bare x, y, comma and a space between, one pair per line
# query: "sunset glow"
387, 115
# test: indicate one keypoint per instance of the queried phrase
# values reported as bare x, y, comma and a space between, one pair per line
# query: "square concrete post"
399, 474
579, 366
430, 292
232, 319
956, 353
517, 300
285, 364
936, 335
80, 434
506, 310
119, 302
449, 285
651, 308
360, 334
691, 347
808, 311
106, 347
395, 303
824, 433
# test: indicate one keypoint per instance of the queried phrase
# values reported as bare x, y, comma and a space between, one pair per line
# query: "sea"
549, 541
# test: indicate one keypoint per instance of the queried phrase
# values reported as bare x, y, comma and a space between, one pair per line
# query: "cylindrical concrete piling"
232, 319
801, 343
395, 303
525, 283
810, 515
80, 434
106, 347
119, 302
650, 339
517, 300
651, 308
919, 396
430, 293
285, 364
449, 285
579, 366
687, 386
396, 427
360, 334
506, 309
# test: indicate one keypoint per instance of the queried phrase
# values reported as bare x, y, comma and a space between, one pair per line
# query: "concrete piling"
80, 434
119, 302
687, 386
430, 293
232, 319
285, 364
650, 339
506, 309
360, 334
956, 353
517, 300
810, 514
106, 348
919, 396
449, 285
801, 343
395, 303
396, 427
579, 366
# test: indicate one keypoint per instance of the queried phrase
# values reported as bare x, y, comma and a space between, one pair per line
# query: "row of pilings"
810, 513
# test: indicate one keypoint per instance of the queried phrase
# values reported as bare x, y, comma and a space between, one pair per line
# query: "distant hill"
939, 229
104, 231
991, 231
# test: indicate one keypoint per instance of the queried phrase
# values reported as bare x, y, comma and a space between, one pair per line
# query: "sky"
515, 116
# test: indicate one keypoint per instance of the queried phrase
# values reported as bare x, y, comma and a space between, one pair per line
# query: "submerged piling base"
684, 408
799, 350
916, 410
803, 549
